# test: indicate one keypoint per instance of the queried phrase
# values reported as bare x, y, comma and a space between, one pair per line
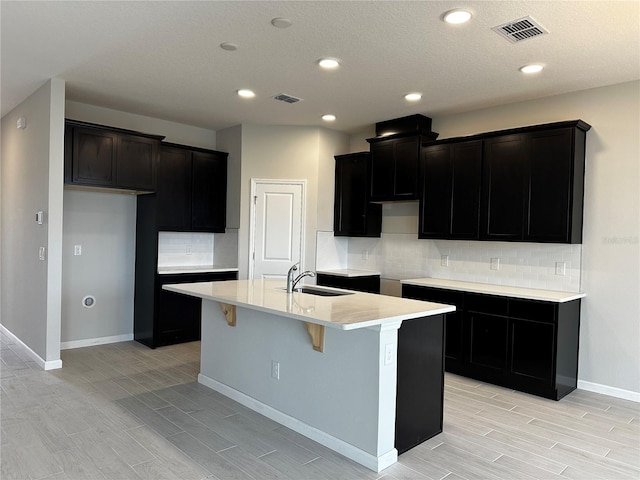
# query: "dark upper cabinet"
192, 189
450, 190
353, 215
394, 167
105, 157
503, 188
555, 175
209, 191
524, 184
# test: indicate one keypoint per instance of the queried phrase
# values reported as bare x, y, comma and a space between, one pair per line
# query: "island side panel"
348, 391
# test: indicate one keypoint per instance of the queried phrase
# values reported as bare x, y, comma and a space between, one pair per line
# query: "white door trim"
252, 219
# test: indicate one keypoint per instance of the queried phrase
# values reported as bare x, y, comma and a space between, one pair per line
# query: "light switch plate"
444, 260
77, 249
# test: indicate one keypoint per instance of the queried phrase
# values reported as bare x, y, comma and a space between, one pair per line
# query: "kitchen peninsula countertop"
346, 312
195, 269
499, 290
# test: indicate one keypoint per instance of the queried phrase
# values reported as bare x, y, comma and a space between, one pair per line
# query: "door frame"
252, 216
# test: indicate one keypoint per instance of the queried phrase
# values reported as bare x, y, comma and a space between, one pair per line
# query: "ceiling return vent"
521, 29
283, 97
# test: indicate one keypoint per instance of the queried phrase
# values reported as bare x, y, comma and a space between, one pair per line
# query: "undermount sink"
321, 292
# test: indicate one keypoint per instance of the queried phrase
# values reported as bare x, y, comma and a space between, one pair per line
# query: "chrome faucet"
291, 282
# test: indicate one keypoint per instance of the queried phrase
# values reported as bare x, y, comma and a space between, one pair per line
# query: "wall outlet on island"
275, 369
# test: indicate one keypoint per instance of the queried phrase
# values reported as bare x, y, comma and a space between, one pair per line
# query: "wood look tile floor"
123, 411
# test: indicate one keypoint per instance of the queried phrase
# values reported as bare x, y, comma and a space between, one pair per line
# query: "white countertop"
347, 312
195, 269
500, 290
349, 272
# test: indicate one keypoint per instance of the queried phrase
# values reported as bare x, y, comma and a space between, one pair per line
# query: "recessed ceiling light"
281, 22
413, 97
457, 16
328, 63
228, 46
533, 68
328, 117
245, 93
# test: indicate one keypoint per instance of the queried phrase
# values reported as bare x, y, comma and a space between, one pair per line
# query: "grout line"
498, 458
312, 460
265, 454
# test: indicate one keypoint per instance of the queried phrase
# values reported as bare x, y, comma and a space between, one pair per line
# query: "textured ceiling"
162, 59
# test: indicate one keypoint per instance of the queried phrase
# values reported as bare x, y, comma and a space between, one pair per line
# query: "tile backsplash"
400, 256
198, 249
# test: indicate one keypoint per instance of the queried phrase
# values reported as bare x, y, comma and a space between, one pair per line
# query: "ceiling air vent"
521, 29
283, 97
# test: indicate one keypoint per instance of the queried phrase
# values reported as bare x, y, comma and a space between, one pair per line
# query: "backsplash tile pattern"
400, 256
219, 249
334, 251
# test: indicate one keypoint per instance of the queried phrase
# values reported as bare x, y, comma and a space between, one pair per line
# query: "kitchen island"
359, 373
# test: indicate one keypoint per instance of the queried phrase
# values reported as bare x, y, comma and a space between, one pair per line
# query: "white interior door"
278, 227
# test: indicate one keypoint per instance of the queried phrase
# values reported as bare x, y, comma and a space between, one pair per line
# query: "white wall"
610, 319
104, 224
32, 175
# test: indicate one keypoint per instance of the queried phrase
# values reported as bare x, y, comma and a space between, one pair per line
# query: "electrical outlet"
42, 253
77, 249
495, 264
188, 249
365, 254
444, 260
275, 369
388, 353
560, 268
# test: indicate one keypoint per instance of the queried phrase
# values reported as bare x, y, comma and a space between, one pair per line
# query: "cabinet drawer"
532, 310
486, 304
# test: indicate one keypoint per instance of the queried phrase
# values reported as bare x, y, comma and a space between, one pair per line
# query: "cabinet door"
488, 344
209, 192
178, 318
350, 196
94, 157
370, 283
550, 167
382, 170
407, 155
503, 188
353, 215
137, 161
532, 351
450, 199
174, 189
435, 201
465, 190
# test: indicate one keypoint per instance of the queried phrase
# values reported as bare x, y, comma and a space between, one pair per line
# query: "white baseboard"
611, 391
90, 342
41, 362
372, 462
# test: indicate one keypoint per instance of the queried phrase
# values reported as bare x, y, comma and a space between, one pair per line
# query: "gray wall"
610, 326
32, 174
104, 224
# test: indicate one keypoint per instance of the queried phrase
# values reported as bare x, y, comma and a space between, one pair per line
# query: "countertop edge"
441, 309
349, 273
181, 270
554, 296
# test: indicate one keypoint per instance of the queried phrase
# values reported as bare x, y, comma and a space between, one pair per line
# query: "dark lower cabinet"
420, 384
527, 345
369, 283
171, 317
